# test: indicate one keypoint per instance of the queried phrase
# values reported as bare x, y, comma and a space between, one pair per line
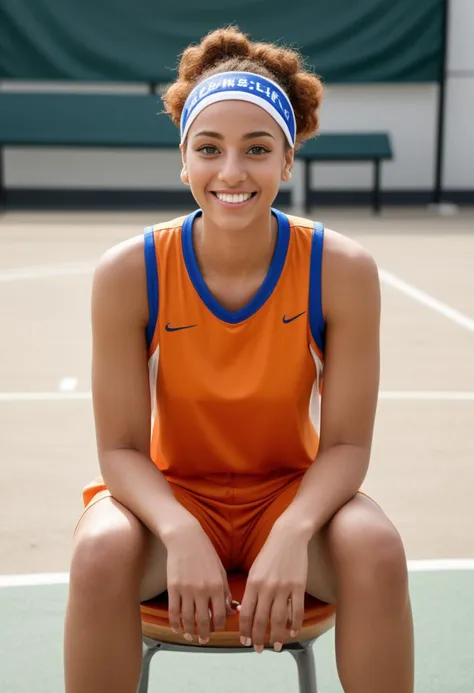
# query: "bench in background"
133, 121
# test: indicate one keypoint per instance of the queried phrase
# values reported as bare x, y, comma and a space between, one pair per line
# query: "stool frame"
302, 652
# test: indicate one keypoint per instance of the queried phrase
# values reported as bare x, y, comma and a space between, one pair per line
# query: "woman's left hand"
275, 590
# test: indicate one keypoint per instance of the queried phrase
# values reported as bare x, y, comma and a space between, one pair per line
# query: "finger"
218, 609
231, 605
187, 615
247, 611
297, 612
279, 619
289, 616
174, 603
261, 620
229, 602
202, 620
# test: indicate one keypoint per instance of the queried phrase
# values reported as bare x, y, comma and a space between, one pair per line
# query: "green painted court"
443, 605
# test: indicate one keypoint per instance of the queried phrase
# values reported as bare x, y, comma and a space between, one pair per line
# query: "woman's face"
235, 157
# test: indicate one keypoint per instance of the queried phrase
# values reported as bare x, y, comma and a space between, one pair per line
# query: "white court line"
43, 396
34, 579
45, 271
398, 395
437, 564
414, 566
427, 300
427, 395
67, 384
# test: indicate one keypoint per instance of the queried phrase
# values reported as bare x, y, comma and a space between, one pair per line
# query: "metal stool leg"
150, 648
306, 668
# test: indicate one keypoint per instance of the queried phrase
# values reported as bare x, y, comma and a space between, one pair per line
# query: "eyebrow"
248, 136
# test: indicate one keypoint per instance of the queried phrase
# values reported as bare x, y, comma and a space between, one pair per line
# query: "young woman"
211, 333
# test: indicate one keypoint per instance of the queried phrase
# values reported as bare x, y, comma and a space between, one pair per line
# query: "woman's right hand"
198, 590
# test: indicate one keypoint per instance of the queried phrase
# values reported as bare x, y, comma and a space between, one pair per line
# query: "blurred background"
87, 160
397, 67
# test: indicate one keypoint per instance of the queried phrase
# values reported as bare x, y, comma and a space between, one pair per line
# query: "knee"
367, 551
106, 560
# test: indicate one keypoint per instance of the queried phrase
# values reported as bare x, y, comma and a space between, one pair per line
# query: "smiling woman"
211, 334
265, 105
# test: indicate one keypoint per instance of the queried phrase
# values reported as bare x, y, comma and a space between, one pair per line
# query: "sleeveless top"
234, 392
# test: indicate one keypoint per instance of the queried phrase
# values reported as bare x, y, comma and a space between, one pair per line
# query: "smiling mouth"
234, 199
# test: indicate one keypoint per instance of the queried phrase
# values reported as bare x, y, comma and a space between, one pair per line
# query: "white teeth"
234, 199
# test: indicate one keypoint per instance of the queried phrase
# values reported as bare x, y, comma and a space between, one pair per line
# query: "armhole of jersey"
316, 318
151, 283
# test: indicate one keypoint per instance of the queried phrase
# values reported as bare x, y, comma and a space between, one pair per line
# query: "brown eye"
258, 150
208, 147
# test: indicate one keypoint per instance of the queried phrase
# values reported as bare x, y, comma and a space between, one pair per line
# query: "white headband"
241, 86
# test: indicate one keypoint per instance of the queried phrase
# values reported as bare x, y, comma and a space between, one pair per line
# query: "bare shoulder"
120, 279
346, 254
124, 257
349, 274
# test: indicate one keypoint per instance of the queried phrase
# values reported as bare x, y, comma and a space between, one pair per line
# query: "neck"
235, 253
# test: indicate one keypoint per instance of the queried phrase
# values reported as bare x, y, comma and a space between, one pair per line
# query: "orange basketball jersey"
233, 393
231, 390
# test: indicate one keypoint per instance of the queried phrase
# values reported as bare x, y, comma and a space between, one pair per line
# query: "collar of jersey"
265, 290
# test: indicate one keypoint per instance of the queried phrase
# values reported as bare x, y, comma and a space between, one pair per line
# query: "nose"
232, 170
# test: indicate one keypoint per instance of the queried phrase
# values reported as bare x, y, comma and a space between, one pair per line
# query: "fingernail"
188, 637
293, 633
278, 646
175, 630
239, 608
259, 648
248, 642
243, 640
203, 641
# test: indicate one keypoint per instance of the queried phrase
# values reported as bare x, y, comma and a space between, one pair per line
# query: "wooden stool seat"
319, 617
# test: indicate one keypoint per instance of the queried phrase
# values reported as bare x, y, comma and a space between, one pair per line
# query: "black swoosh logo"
168, 328
286, 320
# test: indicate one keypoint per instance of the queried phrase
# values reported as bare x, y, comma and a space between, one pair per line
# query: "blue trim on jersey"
151, 283
265, 290
316, 317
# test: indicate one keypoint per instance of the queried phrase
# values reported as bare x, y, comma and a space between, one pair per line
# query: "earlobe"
184, 176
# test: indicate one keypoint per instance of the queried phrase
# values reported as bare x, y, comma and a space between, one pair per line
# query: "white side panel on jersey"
315, 401
153, 376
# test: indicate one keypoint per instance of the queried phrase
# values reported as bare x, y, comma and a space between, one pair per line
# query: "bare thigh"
154, 580
109, 536
355, 533
320, 582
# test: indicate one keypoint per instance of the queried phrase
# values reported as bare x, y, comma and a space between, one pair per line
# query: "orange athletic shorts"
237, 512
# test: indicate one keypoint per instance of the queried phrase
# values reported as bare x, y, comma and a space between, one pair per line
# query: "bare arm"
351, 298
351, 303
121, 395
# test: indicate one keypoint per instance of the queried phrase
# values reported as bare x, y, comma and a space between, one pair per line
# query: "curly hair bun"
230, 50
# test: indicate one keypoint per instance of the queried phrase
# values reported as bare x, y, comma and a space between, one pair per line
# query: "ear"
184, 173
288, 164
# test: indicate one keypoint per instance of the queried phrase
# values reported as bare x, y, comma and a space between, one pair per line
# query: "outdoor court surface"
422, 469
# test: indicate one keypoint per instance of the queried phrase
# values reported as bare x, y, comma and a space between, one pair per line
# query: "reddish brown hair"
229, 50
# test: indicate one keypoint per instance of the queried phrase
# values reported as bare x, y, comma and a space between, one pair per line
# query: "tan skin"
332, 542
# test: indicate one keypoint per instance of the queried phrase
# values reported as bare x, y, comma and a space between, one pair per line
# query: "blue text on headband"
241, 86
